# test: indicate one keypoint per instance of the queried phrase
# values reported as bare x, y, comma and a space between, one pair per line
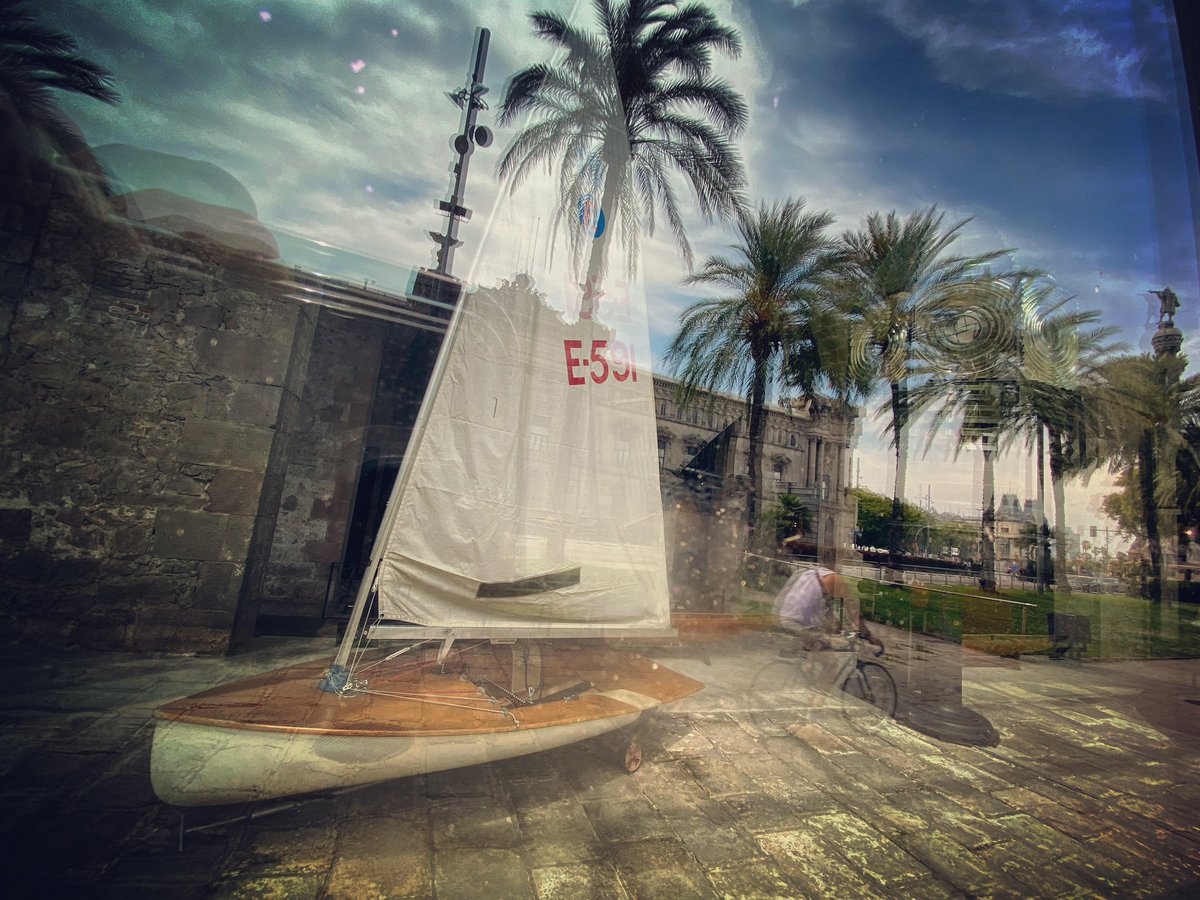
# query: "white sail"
533, 494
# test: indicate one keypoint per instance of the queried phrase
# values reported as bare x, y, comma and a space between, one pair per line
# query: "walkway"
748, 790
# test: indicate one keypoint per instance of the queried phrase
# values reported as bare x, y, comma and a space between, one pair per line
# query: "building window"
791, 440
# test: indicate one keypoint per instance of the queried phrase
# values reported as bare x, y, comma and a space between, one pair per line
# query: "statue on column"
1168, 302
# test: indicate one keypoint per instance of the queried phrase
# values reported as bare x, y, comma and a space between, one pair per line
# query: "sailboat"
523, 535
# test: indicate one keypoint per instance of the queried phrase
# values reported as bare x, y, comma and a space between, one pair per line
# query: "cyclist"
815, 606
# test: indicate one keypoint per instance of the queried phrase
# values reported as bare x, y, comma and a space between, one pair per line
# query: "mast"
470, 100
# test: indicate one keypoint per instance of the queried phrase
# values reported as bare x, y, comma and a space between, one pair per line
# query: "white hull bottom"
209, 765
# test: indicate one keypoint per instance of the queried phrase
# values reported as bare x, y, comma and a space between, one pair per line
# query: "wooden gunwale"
288, 701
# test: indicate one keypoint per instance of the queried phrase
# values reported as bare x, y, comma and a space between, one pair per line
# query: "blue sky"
1055, 124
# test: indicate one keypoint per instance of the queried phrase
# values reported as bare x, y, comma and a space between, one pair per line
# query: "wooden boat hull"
277, 734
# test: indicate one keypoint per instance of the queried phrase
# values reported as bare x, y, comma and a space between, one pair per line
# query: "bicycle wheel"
869, 694
780, 695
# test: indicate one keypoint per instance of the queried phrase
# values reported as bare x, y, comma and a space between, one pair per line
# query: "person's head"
834, 584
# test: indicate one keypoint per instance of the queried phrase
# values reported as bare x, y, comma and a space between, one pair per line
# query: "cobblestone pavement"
747, 790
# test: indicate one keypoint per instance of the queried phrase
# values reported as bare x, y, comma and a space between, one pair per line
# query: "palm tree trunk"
987, 521
1146, 479
1062, 585
900, 436
1040, 561
758, 415
598, 256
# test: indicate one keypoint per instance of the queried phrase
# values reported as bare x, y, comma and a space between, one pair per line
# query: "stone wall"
149, 388
368, 381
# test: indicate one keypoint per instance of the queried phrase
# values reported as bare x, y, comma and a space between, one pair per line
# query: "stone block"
15, 525
208, 316
323, 551
128, 592
243, 357
219, 585
239, 534
225, 444
256, 404
235, 491
180, 534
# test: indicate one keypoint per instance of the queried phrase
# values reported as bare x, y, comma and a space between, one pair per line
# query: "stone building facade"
184, 428
807, 451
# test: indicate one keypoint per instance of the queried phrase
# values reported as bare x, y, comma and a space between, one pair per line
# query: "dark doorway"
370, 502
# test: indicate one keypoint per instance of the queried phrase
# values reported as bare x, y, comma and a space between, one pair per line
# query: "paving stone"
730, 738
473, 781
290, 851
626, 820
942, 854
527, 795
968, 829
866, 849
381, 857
758, 880
663, 781
594, 777
717, 776
557, 834
660, 868
806, 861
862, 769
1029, 871
271, 887
709, 832
581, 881
756, 812
473, 822
400, 798
471, 874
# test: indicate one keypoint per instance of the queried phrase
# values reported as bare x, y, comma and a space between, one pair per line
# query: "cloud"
1042, 49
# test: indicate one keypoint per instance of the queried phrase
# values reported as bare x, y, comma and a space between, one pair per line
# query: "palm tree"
630, 106
1061, 355
1031, 372
776, 311
983, 404
35, 63
902, 295
1146, 407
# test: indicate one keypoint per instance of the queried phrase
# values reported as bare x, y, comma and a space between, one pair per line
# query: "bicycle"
785, 686
869, 687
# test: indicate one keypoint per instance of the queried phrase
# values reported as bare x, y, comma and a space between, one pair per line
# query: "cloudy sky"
1055, 124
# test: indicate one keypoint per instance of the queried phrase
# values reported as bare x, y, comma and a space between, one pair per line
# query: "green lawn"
1122, 627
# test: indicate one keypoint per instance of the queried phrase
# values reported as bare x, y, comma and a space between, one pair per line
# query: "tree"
35, 63
777, 310
789, 516
1061, 355
1016, 377
631, 107
901, 296
1148, 412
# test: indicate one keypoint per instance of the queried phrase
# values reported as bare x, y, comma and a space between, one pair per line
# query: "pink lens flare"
357, 66
395, 32
360, 90
369, 189
264, 15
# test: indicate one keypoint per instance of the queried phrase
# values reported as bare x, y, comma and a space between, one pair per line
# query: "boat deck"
417, 696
